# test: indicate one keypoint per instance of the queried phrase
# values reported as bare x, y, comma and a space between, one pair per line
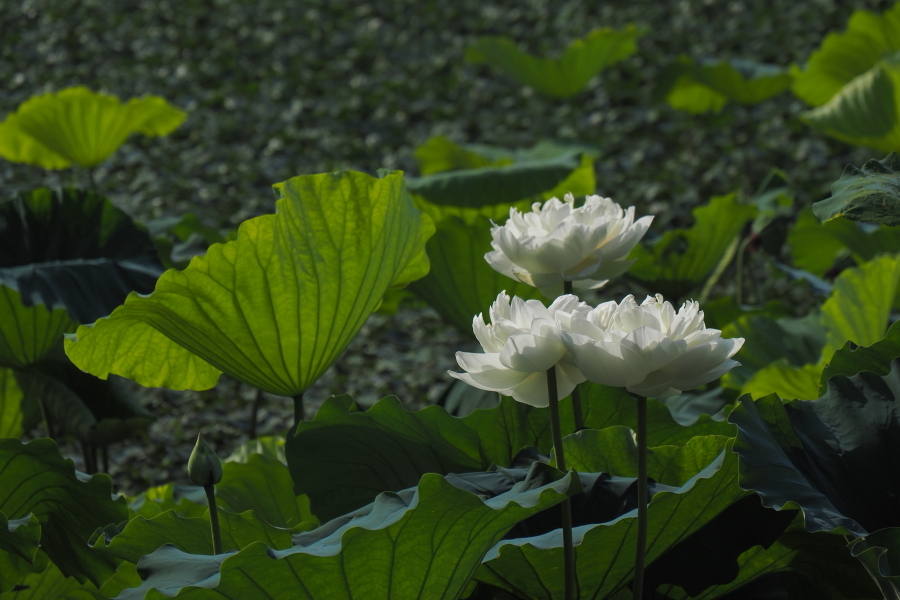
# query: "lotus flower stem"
568, 547
299, 413
641, 545
576, 395
213, 518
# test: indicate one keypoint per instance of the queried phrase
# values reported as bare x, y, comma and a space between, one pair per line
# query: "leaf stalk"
568, 547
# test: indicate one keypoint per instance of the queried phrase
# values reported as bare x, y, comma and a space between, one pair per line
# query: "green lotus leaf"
709, 85
815, 246
880, 555
859, 308
827, 457
141, 536
844, 56
429, 541
857, 311
89, 409
275, 307
699, 529
263, 485
79, 126
185, 500
613, 450
851, 359
70, 506
51, 584
439, 154
72, 249
528, 178
562, 77
11, 397
799, 341
870, 194
802, 565
19, 543
29, 333
271, 447
461, 399
864, 112
343, 457
461, 284
681, 258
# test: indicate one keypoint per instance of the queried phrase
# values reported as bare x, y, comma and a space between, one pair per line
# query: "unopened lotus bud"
204, 467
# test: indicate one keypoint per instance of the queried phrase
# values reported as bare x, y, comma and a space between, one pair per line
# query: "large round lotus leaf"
79, 126
331, 458
423, 542
275, 307
560, 77
73, 249
834, 457
847, 55
870, 194
35, 479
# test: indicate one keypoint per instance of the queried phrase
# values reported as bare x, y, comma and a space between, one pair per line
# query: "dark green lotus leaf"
847, 55
797, 340
70, 506
461, 284
879, 553
276, 306
871, 193
474, 188
799, 565
73, 249
699, 530
19, 542
92, 410
264, 486
50, 584
29, 333
707, 85
681, 258
851, 359
11, 396
832, 457
429, 541
343, 457
564, 76
439, 154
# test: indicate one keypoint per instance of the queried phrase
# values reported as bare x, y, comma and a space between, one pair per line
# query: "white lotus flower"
520, 345
649, 349
557, 242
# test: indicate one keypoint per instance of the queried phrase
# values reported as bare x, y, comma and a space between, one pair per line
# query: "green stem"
104, 456
576, 395
91, 179
641, 546
299, 412
45, 414
568, 547
739, 275
213, 518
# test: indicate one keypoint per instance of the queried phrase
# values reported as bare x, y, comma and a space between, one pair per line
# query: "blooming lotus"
649, 349
520, 345
557, 242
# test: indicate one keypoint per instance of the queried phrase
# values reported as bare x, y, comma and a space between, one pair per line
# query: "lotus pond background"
275, 89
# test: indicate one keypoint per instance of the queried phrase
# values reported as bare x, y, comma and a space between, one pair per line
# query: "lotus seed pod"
204, 467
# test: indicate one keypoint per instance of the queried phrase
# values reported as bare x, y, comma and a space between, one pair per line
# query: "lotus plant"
538, 354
